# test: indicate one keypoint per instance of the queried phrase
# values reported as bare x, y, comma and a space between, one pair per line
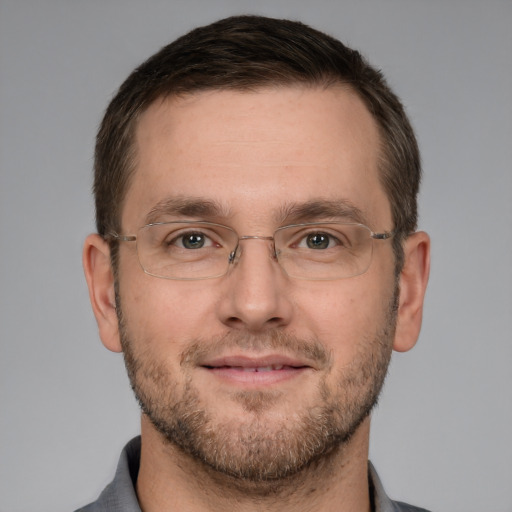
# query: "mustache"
307, 350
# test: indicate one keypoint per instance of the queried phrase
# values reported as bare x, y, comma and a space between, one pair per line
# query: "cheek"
164, 314
345, 314
336, 314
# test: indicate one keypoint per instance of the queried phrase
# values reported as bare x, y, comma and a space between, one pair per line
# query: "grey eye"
193, 240
318, 241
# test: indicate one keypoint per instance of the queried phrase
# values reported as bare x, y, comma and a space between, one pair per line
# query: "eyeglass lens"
201, 250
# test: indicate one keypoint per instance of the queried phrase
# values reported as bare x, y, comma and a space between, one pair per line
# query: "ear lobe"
413, 284
100, 280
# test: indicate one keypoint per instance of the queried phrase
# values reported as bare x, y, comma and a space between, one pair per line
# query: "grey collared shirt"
120, 496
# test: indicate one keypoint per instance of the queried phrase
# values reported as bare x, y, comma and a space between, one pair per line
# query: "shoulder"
404, 507
381, 501
120, 495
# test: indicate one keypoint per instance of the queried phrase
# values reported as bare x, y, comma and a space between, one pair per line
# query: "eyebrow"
320, 209
290, 213
186, 207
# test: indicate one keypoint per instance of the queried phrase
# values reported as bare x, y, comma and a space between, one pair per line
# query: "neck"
171, 480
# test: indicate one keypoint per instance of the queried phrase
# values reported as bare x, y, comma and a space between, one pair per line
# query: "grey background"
441, 435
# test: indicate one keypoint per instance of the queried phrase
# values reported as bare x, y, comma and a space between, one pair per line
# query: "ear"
413, 283
100, 280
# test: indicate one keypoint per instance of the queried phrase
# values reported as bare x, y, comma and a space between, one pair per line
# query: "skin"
254, 154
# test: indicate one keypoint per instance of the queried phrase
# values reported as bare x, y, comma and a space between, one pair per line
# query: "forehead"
254, 152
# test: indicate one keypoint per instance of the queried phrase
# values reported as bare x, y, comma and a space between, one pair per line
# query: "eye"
191, 240
318, 241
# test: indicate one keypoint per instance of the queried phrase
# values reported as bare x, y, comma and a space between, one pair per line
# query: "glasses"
190, 250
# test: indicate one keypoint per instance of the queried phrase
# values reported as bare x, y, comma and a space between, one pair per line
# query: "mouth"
271, 368
255, 370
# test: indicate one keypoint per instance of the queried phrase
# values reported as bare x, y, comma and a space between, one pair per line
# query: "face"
256, 373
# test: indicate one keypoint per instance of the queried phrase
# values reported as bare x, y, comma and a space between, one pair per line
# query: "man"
256, 262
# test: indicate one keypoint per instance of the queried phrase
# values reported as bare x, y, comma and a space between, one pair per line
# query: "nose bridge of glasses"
256, 237
237, 252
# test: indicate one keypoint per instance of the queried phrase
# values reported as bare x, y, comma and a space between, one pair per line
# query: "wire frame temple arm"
382, 236
121, 238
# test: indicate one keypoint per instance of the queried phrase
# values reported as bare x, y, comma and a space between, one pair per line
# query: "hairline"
130, 167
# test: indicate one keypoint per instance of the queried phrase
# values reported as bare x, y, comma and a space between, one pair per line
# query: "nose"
256, 290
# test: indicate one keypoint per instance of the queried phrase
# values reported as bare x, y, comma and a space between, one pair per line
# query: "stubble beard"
255, 450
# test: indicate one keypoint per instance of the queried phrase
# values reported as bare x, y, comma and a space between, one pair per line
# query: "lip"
247, 361
255, 371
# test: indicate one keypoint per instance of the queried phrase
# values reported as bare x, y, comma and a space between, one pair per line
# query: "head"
257, 124
248, 53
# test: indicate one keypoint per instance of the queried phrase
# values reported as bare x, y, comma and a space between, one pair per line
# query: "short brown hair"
245, 53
